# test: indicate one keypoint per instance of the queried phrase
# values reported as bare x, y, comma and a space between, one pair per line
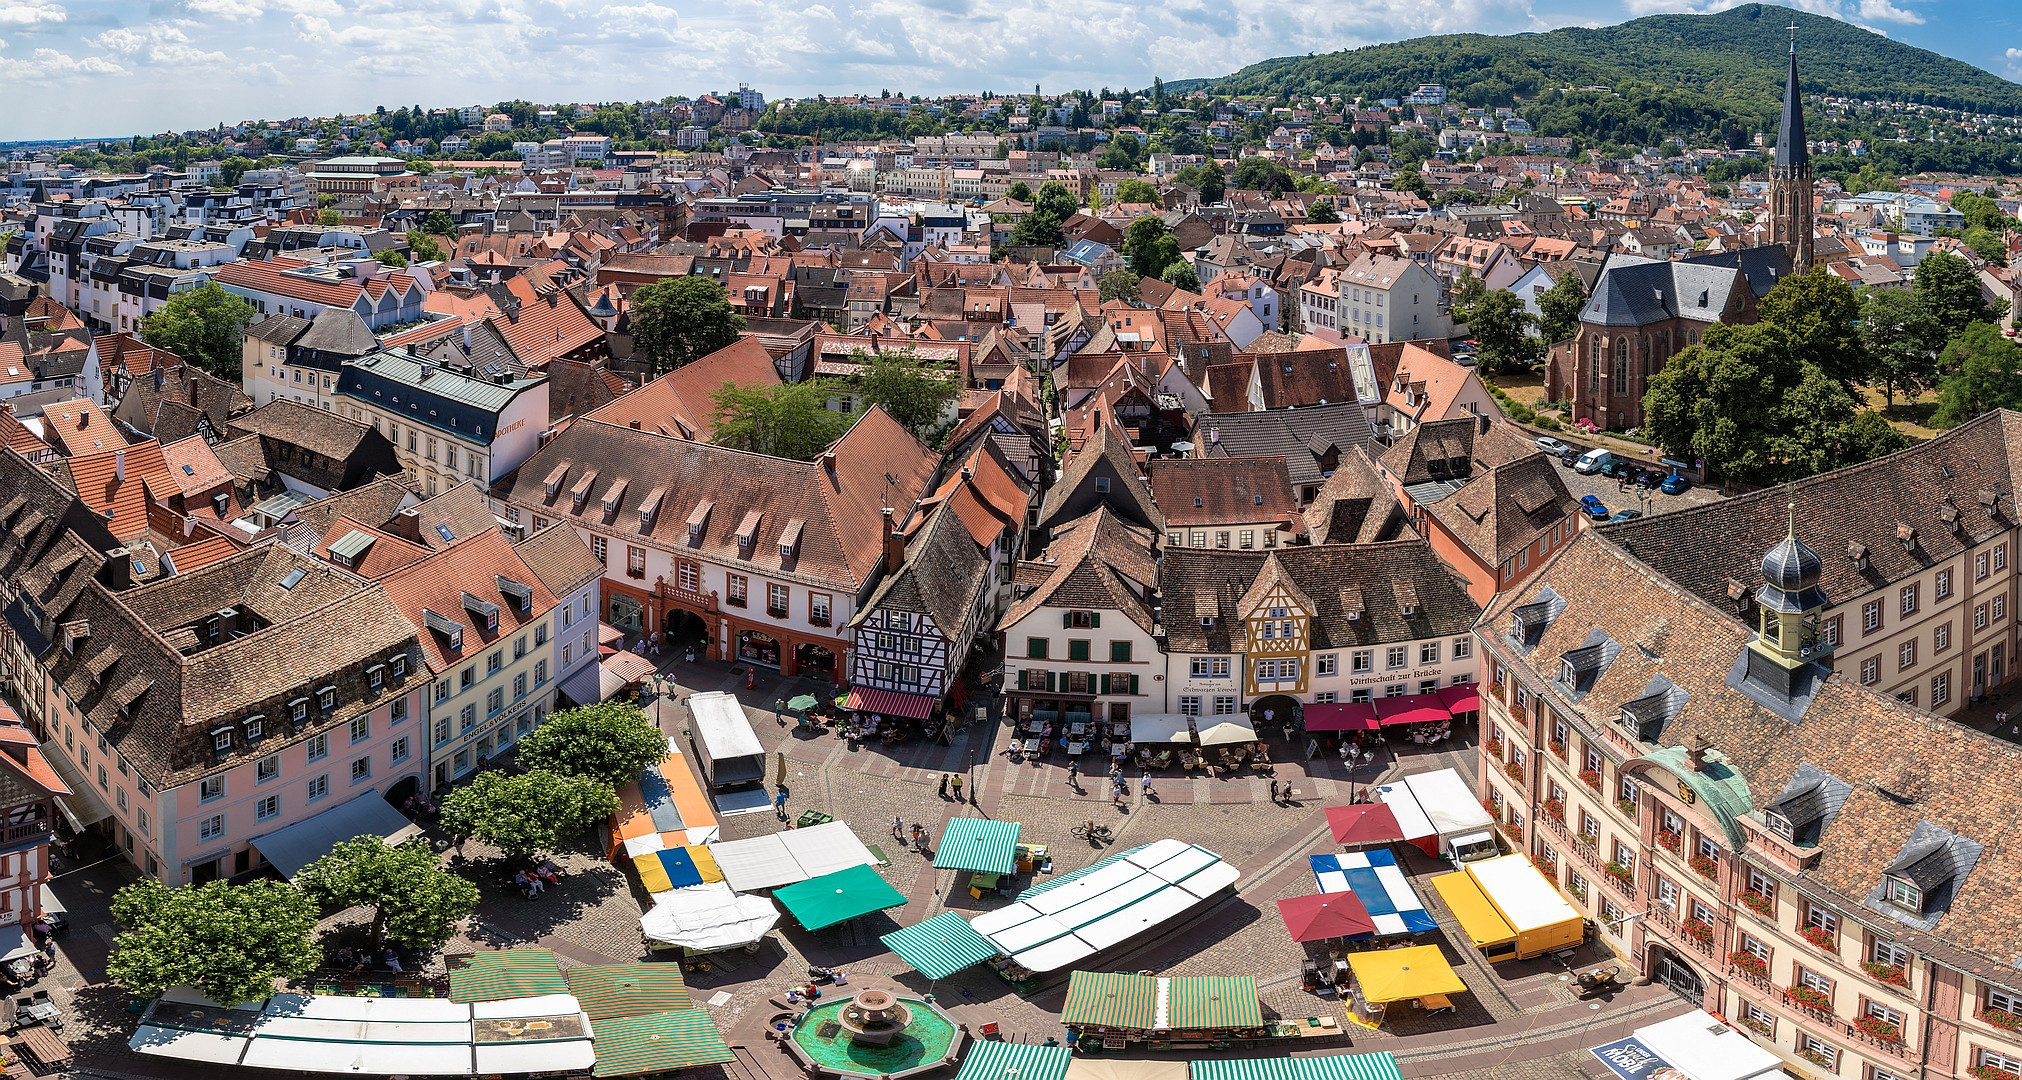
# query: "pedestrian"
1145, 781
1116, 793
919, 838
944, 785
898, 829
779, 804
1074, 774
956, 784
778, 708
1274, 792
392, 960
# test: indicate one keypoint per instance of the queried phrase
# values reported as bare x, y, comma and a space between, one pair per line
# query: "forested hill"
1731, 62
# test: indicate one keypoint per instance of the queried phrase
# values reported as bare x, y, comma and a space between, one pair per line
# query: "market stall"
988, 1060
1694, 1046
1382, 976
940, 946
1363, 823
1378, 1066
766, 862
1375, 880
1111, 1010
664, 808
705, 918
822, 902
1325, 917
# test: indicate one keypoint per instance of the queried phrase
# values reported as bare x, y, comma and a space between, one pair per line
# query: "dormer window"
1778, 824
613, 497
483, 609
375, 676
555, 478
398, 662
256, 725
326, 698
298, 710
221, 740
521, 595
1904, 893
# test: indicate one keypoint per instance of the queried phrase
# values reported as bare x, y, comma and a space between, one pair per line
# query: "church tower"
1790, 221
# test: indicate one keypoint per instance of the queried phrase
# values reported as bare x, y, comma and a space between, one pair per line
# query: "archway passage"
404, 790
1669, 968
1274, 710
681, 628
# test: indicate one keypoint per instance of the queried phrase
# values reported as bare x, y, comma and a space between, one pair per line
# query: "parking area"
1612, 494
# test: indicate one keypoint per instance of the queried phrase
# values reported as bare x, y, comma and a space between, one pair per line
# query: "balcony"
688, 597
1579, 844
1621, 878
27, 832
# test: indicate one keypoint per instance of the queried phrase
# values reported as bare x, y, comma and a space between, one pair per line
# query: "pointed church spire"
1790, 188
1790, 145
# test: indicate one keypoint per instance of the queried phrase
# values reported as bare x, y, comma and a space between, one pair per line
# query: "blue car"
1676, 484
1594, 507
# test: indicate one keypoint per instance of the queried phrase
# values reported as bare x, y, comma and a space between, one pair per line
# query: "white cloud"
32, 13
155, 43
1888, 12
50, 65
2015, 63
229, 10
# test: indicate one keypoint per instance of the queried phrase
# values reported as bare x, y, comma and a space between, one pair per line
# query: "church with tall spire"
1790, 191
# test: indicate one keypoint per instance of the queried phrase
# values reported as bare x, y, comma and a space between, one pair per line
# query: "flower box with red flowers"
1819, 936
1669, 841
1627, 806
1578, 889
1544, 862
1591, 778
1705, 866
1494, 748
1892, 974
1556, 808
1817, 1057
1697, 929
1808, 998
1743, 960
1874, 1027
1514, 831
1558, 748
2003, 1019
1989, 1072
1624, 874
1514, 771
1758, 903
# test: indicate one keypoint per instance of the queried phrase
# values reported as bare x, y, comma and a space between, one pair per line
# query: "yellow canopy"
1485, 925
1397, 974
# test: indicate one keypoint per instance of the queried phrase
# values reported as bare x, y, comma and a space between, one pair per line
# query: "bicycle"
1091, 831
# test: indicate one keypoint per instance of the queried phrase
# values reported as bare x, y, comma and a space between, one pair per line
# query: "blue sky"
115, 67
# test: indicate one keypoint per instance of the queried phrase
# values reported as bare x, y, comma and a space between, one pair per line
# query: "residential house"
1231, 503
1501, 523
30, 794
1311, 440
1062, 664
311, 451
444, 424
1377, 298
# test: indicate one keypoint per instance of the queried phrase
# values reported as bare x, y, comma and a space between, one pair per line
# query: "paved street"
1520, 1020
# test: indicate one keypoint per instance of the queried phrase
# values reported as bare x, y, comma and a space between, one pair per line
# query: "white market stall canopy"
708, 916
1160, 728
767, 862
372, 1036
1077, 915
1228, 731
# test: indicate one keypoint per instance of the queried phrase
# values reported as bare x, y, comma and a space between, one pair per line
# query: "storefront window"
757, 648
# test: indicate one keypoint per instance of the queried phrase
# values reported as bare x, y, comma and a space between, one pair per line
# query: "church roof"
1790, 147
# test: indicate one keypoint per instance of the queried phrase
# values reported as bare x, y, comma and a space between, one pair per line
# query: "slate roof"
1503, 510
1337, 578
1097, 562
1355, 505
1633, 291
450, 401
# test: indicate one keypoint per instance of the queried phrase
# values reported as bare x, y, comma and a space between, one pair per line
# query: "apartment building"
286, 286
1919, 569
29, 794
761, 560
1080, 639
1378, 298
284, 357
565, 565
446, 424
1818, 861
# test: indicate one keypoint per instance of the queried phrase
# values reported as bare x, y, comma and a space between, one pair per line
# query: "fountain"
876, 1034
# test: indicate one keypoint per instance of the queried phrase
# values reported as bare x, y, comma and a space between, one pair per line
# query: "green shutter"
1049, 681
1105, 685
1067, 620
1095, 618
1133, 684
1022, 673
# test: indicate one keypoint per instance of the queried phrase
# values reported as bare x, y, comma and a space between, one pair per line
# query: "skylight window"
293, 579
187, 471
447, 536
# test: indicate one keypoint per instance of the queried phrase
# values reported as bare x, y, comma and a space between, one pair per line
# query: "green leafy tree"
528, 812
425, 247
329, 217
1818, 312
916, 393
1322, 212
611, 743
1410, 180
1118, 285
1149, 246
391, 258
1468, 290
1123, 152
233, 168
789, 421
1181, 275
1136, 191
676, 321
1019, 192
1902, 340
1208, 179
1051, 208
204, 326
231, 942
1500, 326
1559, 308
1986, 374
438, 222
415, 902
1950, 290
1260, 174
1871, 436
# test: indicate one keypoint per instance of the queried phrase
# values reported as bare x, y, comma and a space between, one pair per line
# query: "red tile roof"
438, 582
678, 403
122, 502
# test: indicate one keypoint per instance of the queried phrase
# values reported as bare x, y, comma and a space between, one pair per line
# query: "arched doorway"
1273, 711
403, 790
682, 628
1670, 969
814, 661
626, 613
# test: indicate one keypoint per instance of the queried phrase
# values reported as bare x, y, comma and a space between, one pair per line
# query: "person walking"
1144, 780
956, 785
944, 785
1074, 774
779, 804
898, 829
778, 709
1274, 792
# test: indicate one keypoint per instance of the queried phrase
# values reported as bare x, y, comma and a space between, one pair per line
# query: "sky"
96, 68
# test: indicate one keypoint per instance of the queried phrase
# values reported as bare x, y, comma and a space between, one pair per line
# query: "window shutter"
1049, 680
1133, 685
1067, 620
1095, 618
1022, 673
1105, 685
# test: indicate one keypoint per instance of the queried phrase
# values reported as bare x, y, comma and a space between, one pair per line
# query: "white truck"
725, 745
1441, 816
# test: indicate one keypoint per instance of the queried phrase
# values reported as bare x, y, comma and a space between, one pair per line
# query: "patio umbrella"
1325, 915
803, 702
1363, 823
606, 650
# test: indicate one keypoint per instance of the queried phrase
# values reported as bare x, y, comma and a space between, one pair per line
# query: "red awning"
1410, 709
630, 667
1358, 716
1325, 915
1465, 698
890, 702
1364, 823
606, 633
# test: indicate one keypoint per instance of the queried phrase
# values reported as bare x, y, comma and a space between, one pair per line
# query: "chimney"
635, 425
84, 418
895, 545
466, 339
828, 464
118, 572
968, 473
407, 525
119, 466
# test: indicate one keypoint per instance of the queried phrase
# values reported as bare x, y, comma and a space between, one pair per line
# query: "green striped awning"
838, 897
656, 1042
1378, 1066
978, 844
1115, 999
507, 973
1058, 880
611, 990
1213, 1001
940, 946
1013, 1061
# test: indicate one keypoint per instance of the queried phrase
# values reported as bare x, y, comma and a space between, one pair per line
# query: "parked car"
1592, 461
1570, 456
1594, 507
1626, 515
1620, 468
1649, 478
1552, 446
1676, 484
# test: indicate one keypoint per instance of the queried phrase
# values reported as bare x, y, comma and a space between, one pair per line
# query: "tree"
329, 217
1122, 154
438, 222
1410, 180
1149, 246
1559, 308
415, 902
916, 393
1468, 291
231, 942
204, 326
1050, 209
528, 812
1322, 212
1180, 275
391, 258
1019, 192
1207, 179
1260, 174
611, 742
424, 247
233, 168
1902, 340
1950, 291
1136, 191
1986, 374
790, 421
1500, 326
1118, 285
1818, 312
679, 320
